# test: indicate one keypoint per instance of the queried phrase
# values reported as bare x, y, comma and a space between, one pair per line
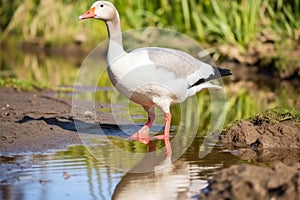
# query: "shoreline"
29, 122
37, 122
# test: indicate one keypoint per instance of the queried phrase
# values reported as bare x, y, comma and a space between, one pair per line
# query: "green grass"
241, 105
20, 84
277, 114
222, 21
283, 17
46, 22
232, 22
274, 115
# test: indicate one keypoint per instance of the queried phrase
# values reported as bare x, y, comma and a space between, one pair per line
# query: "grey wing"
183, 65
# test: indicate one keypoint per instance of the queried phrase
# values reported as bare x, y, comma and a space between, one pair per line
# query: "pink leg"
168, 147
166, 135
167, 128
142, 134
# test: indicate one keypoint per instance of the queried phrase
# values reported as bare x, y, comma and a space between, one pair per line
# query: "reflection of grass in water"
41, 69
128, 145
51, 71
241, 105
97, 172
134, 146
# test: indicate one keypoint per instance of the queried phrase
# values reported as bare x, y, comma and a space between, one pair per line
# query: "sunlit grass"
276, 114
18, 84
46, 21
284, 17
210, 21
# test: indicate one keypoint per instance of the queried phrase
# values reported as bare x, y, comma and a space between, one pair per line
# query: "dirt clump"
266, 141
244, 134
272, 139
254, 182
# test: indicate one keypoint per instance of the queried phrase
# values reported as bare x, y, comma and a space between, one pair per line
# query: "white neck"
115, 45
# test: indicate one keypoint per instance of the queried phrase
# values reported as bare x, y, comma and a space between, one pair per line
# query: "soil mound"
253, 182
244, 134
267, 142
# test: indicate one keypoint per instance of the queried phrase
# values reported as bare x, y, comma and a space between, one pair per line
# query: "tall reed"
235, 22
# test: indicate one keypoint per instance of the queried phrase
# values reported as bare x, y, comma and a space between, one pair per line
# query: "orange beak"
89, 14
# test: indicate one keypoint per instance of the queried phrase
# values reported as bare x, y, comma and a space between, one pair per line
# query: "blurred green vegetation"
20, 84
234, 22
36, 69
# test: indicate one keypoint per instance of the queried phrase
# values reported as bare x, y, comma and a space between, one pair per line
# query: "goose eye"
101, 5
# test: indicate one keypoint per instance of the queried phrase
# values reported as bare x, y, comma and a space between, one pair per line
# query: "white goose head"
102, 10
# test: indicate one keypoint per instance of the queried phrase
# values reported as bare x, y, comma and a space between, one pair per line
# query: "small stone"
5, 137
66, 175
43, 181
88, 114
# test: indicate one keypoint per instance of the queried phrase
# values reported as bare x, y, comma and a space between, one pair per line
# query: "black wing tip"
224, 72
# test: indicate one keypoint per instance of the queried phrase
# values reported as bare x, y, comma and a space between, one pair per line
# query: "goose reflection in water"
160, 179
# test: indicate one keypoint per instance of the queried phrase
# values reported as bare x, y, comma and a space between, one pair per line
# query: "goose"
151, 76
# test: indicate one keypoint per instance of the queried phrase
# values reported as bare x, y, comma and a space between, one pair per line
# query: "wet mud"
273, 149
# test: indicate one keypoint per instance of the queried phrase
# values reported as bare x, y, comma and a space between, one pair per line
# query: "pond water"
76, 174
109, 165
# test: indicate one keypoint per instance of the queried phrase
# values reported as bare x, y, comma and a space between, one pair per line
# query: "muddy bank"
270, 140
253, 182
34, 122
265, 141
244, 134
39, 121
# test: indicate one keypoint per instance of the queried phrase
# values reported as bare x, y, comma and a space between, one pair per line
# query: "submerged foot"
142, 135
